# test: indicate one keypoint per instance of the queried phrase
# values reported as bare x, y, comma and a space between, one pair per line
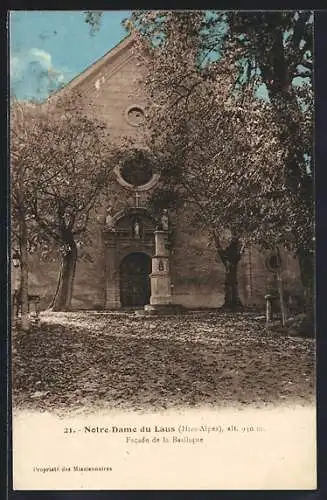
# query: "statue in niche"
161, 266
164, 221
109, 219
137, 229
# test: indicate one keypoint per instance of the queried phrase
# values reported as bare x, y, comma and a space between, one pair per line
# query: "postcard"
162, 250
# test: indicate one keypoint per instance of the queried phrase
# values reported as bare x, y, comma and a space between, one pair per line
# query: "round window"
137, 171
135, 116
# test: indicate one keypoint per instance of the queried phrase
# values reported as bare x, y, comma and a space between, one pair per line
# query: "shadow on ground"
93, 360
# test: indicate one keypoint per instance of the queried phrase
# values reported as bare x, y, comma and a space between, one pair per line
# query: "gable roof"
109, 58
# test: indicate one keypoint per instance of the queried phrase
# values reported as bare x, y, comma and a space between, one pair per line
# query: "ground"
94, 360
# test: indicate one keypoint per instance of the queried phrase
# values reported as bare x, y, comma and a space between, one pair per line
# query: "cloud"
20, 62
42, 56
15, 67
33, 69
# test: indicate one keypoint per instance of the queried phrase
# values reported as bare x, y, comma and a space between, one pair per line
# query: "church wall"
109, 95
255, 280
93, 275
197, 278
88, 291
42, 279
89, 284
198, 281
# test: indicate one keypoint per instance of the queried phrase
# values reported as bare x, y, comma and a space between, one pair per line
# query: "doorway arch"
135, 271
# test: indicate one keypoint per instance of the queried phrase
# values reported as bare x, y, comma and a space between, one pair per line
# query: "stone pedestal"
160, 276
15, 278
112, 293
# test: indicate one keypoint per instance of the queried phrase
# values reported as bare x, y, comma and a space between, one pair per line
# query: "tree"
271, 49
21, 124
279, 47
214, 146
175, 119
69, 160
268, 49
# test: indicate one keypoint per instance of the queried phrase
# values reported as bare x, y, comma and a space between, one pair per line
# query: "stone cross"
137, 199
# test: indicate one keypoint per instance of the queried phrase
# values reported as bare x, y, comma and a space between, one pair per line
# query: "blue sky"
49, 48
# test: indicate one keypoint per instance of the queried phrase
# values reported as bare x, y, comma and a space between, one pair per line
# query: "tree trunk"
230, 257
281, 297
306, 263
63, 295
299, 183
25, 321
232, 299
23, 236
279, 84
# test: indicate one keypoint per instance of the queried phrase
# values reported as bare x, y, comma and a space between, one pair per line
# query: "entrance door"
135, 269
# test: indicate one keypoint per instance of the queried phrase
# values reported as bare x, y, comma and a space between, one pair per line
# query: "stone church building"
133, 256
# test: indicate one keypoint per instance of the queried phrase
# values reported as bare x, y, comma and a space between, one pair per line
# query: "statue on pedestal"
165, 220
109, 219
163, 224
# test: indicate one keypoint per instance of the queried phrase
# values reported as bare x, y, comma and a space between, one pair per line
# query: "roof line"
112, 53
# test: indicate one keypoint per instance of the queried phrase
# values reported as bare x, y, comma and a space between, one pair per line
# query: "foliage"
21, 113
281, 50
206, 138
262, 182
65, 159
256, 157
93, 18
57, 149
21, 219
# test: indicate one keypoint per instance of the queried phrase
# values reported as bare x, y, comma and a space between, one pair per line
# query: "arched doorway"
135, 269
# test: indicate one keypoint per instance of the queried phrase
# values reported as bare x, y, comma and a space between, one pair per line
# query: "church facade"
131, 249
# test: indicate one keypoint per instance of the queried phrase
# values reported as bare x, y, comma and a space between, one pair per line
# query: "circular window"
135, 115
137, 171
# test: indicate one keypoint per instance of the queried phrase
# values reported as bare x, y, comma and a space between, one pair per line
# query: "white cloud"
20, 65
41, 56
15, 67
23, 76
